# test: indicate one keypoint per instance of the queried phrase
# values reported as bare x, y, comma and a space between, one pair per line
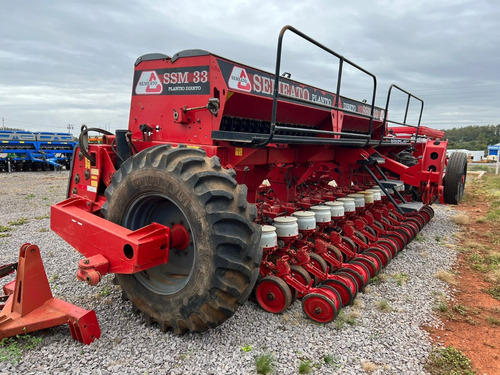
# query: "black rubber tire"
342, 289
454, 178
353, 280
319, 263
303, 277
220, 266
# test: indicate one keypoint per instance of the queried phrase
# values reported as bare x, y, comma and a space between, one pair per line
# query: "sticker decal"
149, 83
239, 80
189, 80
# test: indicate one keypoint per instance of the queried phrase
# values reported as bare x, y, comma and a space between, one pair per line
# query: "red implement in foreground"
31, 307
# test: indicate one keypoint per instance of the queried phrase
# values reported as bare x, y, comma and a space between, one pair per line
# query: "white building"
471, 155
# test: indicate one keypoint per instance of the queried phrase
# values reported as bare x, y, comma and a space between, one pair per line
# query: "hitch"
31, 307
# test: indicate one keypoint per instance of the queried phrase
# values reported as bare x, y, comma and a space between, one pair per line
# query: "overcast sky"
68, 62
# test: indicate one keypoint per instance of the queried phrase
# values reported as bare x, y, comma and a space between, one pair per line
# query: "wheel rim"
369, 264
380, 253
168, 278
301, 275
361, 270
342, 289
319, 308
273, 295
389, 244
353, 283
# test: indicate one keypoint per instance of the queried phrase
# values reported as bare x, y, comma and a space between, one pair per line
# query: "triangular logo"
149, 83
239, 80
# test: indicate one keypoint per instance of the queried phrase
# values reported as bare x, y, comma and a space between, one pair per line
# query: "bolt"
86, 261
317, 311
270, 297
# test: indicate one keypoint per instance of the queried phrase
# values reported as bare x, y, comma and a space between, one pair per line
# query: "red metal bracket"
125, 251
31, 307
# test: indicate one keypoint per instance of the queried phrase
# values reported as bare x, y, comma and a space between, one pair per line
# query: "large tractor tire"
454, 178
203, 285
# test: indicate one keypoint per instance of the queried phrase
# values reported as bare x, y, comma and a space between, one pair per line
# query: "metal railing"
276, 94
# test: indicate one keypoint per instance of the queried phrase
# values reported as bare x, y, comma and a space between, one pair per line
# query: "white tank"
377, 196
268, 238
306, 220
359, 200
286, 226
322, 214
349, 205
368, 195
336, 208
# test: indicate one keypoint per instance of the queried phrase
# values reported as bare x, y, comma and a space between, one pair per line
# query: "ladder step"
411, 206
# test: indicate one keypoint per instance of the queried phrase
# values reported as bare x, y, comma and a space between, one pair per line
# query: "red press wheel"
424, 214
300, 274
342, 288
389, 244
319, 308
351, 281
361, 270
331, 293
429, 210
399, 238
382, 253
273, 294
369, 264
417, 219
350, 243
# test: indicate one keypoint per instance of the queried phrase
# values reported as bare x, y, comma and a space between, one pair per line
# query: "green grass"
460, 309
343, 318
495, 292
479, 168
305, 367
384, 306
12, 348
401, 278
449, 361
493, 321
379, 279
264, 363
246, 348
20, 221
443, 307
329, 359
4, 228
30, 196
42, 217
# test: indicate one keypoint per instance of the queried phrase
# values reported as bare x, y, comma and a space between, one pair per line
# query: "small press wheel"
273, 294
319, 263
319, 308
342, 289
300, 274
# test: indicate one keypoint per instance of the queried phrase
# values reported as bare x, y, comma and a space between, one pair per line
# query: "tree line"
473, 137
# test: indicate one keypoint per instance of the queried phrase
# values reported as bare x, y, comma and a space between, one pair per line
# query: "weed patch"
305, 367
20, 221
449, 361
264, 363
445, 276
11, 348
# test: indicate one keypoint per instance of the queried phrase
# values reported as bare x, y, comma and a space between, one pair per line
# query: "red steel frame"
169, 106
31, 307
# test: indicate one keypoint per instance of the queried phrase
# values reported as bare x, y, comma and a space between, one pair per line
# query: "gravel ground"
386, 342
